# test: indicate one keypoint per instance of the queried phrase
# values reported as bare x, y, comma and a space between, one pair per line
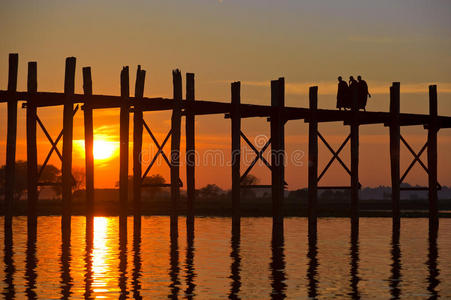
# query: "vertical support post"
355, 162
123, 151
395, 134
11, 139
235, 117
432, 158
313, 161
137, 142
32, 159
89, 142
68, 122
175, 144
277, 149
190, 148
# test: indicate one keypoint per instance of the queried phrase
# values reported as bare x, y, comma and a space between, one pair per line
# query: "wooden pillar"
395, 134
68, 122
355, 161
277, 149
32, 158
190, 148
11, 138
432, 157
313, 160
89, 142
175, 144
123, 151
137, 142
236, 150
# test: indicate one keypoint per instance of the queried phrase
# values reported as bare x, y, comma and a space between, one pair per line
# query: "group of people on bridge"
356, 88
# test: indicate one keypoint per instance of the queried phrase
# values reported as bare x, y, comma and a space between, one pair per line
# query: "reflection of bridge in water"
277, 113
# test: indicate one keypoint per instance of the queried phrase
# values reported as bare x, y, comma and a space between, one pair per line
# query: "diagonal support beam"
333, 152
335, 156
258, 153
160, 150
417, 158
53, 143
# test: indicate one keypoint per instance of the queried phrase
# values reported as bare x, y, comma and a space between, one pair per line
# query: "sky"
308, 42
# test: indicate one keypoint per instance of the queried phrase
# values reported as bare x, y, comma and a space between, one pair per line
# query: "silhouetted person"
363, 93
342, 93
353, 91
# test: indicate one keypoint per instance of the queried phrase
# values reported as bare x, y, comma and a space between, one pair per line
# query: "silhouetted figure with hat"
363, 93
342, 93
353, 91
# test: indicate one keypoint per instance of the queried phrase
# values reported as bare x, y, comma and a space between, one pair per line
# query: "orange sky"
307, 42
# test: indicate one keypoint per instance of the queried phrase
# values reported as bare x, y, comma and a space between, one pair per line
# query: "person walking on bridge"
342, 93
363, 93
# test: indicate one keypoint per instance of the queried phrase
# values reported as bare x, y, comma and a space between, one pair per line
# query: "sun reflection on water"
103, 258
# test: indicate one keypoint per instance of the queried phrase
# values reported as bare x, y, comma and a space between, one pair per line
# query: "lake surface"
210, 262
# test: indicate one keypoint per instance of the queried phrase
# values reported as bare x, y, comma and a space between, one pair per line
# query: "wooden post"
68, 122
355, 161
11, 138
395, 134
175, 144
32, 158
313, 160
236, 150
190, 148
123, 151
89, 142
137, 142
277, 149
432, 157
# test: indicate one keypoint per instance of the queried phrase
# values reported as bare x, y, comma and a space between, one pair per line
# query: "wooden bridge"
277, 113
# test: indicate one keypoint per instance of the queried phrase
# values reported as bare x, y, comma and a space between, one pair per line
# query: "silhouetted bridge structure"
277, 113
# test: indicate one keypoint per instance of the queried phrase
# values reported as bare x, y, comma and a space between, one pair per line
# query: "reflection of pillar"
31, 262
68, 123
137, 263
277, 148
174, 268
432, 264
312, 272
89, 142
11, 139
236, 150
123, 151
190, 273
32, 156
395, 135
432, 157
8, 260
123, 260
313, 160
66, 279
190, 148
89, 236
277, 264
355, 279
395, 278
235, 268
175, 144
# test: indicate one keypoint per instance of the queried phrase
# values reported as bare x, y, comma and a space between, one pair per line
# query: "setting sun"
104, 149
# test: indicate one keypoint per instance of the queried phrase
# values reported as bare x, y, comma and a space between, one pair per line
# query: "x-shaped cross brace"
160, 151
335, 155
53, 143
416, 158
258, 155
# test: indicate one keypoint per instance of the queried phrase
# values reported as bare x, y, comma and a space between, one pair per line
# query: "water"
212, 263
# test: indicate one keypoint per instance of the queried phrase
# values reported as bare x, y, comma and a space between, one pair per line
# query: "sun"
104, 149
